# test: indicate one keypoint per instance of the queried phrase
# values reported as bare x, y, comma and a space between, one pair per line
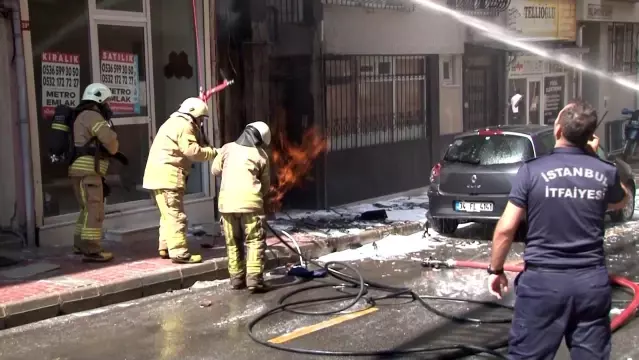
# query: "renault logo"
473, 179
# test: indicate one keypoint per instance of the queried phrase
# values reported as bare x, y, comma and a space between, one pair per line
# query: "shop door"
476, 92
534, 101
120, 54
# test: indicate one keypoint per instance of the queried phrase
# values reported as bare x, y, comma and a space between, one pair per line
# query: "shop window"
122, 65
622, 58
372, 100
175, 68
62, 69
120, 5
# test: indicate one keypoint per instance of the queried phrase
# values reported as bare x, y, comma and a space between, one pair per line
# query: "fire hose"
360, 286
354, 288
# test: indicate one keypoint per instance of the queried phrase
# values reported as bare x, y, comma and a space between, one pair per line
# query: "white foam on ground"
387, 248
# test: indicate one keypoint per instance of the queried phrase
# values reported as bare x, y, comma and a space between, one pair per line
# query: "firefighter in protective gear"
244, 167
179, 142
95, 141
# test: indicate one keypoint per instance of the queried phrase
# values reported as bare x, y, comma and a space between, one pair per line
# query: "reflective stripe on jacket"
90, 124
172, 154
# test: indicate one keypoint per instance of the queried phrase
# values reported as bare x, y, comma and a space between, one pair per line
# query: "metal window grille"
287, 11
479, 7
374, 99
624, 39
395, 5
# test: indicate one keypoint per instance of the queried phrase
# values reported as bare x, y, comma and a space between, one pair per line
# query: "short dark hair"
578, 122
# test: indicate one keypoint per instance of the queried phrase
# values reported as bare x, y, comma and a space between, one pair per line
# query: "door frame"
542, 100
126, 19
529, 79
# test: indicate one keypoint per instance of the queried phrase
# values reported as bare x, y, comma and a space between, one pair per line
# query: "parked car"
472, 181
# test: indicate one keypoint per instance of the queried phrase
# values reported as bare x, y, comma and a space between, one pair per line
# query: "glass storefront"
146, 55
540, 88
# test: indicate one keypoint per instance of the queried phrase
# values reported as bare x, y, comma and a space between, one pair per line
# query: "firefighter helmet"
263, 129
195, 107
97, 92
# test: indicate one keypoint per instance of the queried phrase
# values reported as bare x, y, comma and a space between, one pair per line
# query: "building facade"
545, 85
392, 84
610, 30
366, 74
146, 52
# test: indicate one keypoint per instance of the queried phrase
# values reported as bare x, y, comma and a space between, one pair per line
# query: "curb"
91, 297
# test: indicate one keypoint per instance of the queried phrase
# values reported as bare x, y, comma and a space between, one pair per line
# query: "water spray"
505, 36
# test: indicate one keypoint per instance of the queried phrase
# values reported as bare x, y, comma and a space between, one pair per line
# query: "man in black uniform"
564, 289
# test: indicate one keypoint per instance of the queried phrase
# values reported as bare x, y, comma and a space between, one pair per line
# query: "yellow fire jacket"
89, 124
245, 178
172, 154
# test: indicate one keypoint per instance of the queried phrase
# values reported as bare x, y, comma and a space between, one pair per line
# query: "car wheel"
628, 211
445, 226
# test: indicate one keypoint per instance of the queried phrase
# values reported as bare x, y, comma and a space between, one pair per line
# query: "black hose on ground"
361, 287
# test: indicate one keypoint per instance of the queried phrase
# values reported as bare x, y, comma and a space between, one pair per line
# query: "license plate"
466, 206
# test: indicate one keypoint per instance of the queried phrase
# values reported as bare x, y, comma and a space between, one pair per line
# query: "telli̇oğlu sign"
543, 19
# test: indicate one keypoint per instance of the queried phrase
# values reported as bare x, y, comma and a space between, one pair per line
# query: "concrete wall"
349, 30
9, 189
451, 118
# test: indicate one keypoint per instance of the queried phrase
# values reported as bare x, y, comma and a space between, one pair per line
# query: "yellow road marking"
319, 326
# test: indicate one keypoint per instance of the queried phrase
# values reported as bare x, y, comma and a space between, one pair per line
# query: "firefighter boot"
256, 284
187, 258
100, 256
238, 282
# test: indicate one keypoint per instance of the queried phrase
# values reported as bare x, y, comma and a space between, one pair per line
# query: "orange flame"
293, 162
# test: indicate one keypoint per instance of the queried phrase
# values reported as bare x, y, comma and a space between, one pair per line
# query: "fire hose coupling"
437, 264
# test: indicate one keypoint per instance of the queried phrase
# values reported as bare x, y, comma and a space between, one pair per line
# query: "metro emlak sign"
543, 19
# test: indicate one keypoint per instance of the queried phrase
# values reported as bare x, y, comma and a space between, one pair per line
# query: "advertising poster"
119, 71
554, 97
60, 81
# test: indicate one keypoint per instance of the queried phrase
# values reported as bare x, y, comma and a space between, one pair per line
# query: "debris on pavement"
352, 220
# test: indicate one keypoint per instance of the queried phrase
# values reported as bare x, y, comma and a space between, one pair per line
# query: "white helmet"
263, 129
195, 107
97, 92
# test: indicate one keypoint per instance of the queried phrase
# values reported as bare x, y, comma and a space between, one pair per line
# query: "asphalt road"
211, 322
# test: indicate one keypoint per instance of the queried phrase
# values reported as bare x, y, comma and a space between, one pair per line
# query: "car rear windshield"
490, 150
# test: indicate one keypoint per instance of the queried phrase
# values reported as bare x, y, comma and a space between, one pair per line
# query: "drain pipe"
580, 75
23, 113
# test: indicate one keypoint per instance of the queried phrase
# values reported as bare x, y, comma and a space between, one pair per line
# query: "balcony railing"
479, 7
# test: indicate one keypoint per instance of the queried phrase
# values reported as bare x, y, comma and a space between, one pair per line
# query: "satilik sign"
543, 19
119, 71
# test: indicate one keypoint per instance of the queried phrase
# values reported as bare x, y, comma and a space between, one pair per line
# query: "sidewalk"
50, 282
